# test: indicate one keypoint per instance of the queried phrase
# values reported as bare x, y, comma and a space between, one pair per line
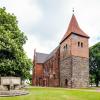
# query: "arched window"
54, 75
66, 46
64, 50
81, 44
78, 44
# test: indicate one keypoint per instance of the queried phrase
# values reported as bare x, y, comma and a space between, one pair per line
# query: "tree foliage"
95, 62
13, 60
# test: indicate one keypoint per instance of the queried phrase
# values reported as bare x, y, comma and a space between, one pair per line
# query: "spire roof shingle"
74, 28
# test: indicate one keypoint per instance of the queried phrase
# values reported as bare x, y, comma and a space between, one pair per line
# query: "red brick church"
68, 64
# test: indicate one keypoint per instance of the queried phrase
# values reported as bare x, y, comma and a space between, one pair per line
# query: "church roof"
52, 53
40, 57
74, 28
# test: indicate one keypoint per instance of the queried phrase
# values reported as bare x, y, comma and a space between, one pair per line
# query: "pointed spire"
74, 28
34, 56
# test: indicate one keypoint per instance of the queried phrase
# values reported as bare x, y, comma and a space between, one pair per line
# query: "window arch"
81, 44
78, 44
65, 50
66, 46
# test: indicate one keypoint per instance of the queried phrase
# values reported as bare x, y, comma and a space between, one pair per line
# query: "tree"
95, 62
13, 60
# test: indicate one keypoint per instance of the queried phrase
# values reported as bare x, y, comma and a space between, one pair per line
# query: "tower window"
65, 50
81, 44
78, 44
66, 46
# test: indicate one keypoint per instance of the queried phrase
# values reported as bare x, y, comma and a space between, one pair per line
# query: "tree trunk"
97, 84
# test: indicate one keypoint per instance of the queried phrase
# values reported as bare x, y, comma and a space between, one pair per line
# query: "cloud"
46, 21
34, 43
28, 12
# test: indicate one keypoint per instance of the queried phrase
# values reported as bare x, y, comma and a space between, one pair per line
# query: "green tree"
13, 60
95, 62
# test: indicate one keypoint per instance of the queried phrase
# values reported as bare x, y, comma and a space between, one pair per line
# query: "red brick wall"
72, 46
78, 50
39, 70
37, 74
51, 70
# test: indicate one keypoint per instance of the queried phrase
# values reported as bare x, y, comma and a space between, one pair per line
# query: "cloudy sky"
45, 21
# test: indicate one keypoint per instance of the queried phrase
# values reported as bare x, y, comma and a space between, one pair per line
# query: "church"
68, 64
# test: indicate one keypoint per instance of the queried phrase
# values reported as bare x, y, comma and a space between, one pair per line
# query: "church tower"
74, 57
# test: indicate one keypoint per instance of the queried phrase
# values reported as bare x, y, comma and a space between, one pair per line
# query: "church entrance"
66, 83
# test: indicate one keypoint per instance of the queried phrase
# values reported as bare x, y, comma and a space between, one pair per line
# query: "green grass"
38, 93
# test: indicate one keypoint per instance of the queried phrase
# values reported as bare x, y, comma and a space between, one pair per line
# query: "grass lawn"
38, 93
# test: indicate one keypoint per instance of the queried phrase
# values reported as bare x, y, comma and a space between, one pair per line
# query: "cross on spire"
73, 10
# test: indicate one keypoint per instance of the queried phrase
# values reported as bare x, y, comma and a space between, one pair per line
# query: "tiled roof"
74, 28
40, 57
52, 53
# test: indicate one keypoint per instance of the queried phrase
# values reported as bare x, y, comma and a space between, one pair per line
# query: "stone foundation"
65, 72
80, 72
74, 72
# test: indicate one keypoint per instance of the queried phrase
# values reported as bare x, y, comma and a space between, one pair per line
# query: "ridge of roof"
52, 53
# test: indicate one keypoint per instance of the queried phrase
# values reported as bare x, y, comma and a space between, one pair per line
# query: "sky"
45, 22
